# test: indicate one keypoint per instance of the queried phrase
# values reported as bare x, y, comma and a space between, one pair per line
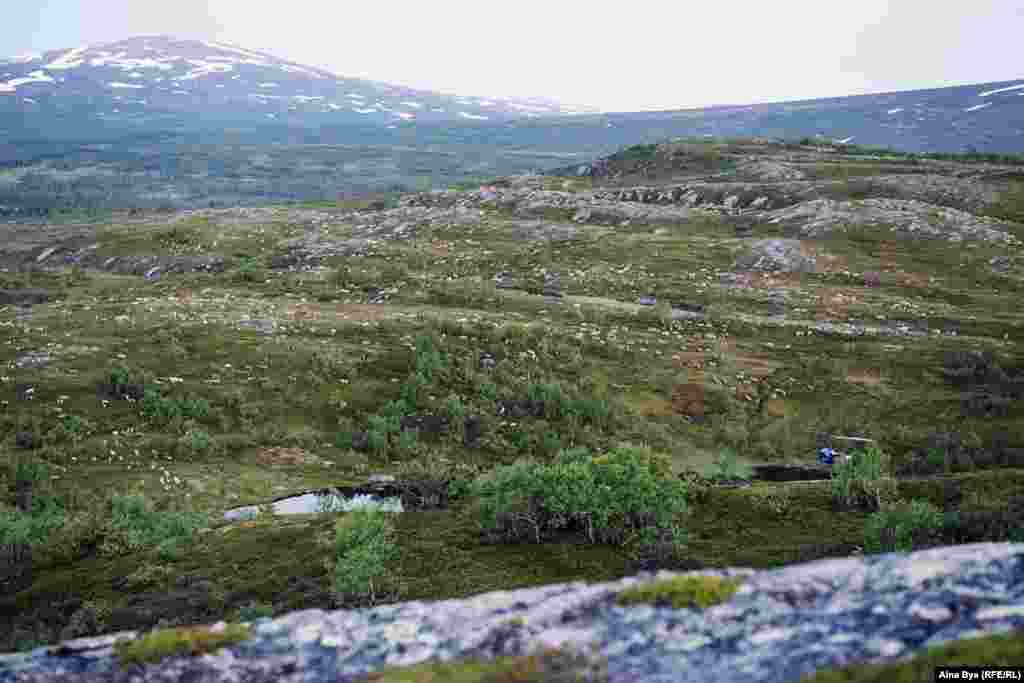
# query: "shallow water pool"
312, 503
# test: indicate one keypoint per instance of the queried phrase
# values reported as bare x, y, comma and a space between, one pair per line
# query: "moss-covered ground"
333, 361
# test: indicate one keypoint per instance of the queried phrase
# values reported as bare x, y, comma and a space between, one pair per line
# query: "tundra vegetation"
536, 440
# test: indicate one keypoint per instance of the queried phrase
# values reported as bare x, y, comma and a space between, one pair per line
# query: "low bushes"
363, 545
626, 493
862, 482
903, 527
134, 526
157, 407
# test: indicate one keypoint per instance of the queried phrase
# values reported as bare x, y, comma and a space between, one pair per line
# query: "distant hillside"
138, 80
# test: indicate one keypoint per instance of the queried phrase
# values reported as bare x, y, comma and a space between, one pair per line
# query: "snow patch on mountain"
124, 85
205, 69
472, 116
978, 106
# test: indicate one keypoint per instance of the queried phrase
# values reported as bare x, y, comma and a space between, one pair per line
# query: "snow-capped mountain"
150, 75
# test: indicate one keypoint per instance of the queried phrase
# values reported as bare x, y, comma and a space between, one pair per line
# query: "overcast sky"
632, 56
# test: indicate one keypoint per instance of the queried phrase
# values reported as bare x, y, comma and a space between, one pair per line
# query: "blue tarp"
827, 455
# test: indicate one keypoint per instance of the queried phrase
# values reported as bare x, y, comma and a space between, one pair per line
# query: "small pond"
320, 501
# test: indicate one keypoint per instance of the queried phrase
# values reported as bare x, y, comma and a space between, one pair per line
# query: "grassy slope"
293, 389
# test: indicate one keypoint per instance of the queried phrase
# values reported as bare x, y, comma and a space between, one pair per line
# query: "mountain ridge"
152, 74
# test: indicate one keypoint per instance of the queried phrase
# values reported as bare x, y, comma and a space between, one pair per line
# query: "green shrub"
157, 407
552, 443
119, 376
455, 408
623, 489
344, 439
34, 527
377, 441
863, 479
196, 440
411, 390
248, 270
393, 409
363, 545
901, 528
72, 425
590, 409
31, 471
407, 441
520, 440
728, 468
133, 526
170, 550
489, 391
936, 458
428, 358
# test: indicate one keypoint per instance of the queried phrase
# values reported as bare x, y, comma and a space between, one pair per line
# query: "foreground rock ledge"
541, 610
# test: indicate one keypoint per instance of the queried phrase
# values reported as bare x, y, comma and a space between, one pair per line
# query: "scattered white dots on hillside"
356, 95
993, 92
472, 116
333, 106
124, 85
485, 103
897, 110
364, 111
267, 85
414, 105
978, 106
307, 98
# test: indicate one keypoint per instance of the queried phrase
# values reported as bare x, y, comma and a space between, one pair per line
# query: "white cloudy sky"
645, 54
